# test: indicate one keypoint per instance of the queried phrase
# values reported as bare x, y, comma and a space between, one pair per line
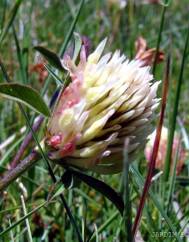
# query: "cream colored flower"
110, 98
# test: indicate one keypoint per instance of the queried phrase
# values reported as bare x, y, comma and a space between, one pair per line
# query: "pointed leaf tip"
50, 56
26, 95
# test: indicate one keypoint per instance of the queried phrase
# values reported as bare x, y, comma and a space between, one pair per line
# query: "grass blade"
72, 27
22, 219
140, 183
10, 20
53, 74
105, 225
126, 192
173, 177
20, 57
27, 221
4, 13
174, 113
160, 34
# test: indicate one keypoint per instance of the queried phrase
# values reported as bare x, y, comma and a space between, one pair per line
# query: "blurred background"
46, 23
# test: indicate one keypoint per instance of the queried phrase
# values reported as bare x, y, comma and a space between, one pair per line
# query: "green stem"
174, 114
159, 35
127, 215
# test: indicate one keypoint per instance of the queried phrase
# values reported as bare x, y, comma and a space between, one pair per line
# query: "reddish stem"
26, 142
13, 174
154, 151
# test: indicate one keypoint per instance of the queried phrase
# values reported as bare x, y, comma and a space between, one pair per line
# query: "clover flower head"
109, 99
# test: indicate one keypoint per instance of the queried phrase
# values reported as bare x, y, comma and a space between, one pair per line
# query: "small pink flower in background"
109, 99
146, 55
162, 150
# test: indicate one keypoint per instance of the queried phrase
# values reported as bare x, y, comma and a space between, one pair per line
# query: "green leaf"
25, 94
51, 57
10, 20
101, 187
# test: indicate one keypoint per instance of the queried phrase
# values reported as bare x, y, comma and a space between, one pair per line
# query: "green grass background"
47, 23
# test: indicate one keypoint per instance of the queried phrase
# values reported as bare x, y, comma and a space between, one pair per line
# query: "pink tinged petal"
70, 97
83, 58
87, 44
68, 149
55, 140
68, 64
148, 152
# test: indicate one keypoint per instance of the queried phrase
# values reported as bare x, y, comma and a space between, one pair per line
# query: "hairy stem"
26, 142
14, 173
